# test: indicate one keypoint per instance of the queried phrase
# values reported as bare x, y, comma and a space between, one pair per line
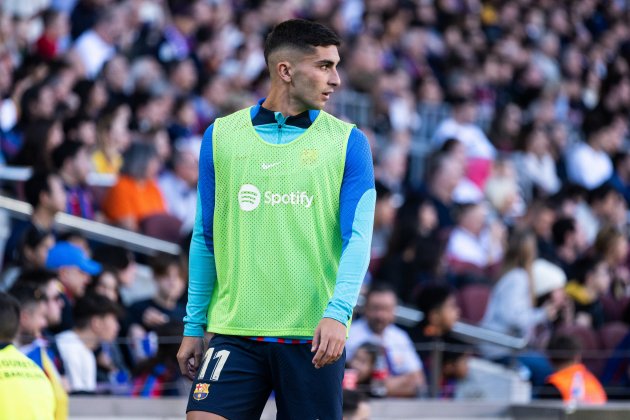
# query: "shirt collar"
262, 115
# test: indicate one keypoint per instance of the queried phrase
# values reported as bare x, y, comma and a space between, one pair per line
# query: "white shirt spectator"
400, 351
93, 52
464, 247
78, 360
475, 140
510, 311
588, 167
539, 171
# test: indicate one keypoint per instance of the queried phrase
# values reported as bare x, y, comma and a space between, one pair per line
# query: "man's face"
75, 280
81, 165
54, 303
33, 319
314, 77
57, 194
448, 314
379, 310
106, 327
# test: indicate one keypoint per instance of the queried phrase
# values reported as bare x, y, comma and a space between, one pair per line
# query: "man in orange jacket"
572, 381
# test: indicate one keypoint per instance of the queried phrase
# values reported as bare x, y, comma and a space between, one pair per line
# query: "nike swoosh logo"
266, 166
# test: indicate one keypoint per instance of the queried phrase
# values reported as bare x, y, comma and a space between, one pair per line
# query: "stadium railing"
96, 231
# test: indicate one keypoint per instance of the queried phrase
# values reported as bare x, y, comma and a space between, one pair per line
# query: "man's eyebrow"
325, 62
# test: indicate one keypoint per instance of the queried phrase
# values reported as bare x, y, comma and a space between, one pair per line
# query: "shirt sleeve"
356, 209
202, 269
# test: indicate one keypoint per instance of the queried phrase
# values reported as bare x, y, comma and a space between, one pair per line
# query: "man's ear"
284, 71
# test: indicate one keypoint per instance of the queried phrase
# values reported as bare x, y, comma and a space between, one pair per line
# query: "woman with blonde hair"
511, 308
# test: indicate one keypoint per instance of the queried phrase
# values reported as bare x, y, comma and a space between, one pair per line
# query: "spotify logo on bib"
248, 197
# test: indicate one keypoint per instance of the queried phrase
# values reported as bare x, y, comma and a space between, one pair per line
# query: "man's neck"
43, 218
279, 100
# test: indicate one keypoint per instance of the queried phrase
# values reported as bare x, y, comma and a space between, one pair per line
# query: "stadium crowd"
499, 132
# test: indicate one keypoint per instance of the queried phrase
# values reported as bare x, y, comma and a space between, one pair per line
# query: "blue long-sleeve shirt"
356, 208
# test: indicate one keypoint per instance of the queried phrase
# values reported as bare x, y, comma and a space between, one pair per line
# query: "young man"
96, 321
281, 242
25, 392
405, 374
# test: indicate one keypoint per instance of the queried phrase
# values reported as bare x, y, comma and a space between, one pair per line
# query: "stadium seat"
614, 308
162, 226
472, 300
611, 334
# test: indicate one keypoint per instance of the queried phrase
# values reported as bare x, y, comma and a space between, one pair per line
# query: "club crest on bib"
309, 156
201, 391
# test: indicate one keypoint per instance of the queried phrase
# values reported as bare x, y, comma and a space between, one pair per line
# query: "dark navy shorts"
237, 375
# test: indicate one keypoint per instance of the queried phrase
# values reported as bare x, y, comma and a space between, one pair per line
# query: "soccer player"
280, 244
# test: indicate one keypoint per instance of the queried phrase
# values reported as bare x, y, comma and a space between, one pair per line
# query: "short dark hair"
432, 297
66, 150
113, 256
560, 229
380, 287
563, 348
162, 262
301, 34
37, 276
600, 193
9, 317
38, 183
93, 305
27, 293
585, 266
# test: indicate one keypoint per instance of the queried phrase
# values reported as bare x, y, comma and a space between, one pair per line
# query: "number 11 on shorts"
222, 355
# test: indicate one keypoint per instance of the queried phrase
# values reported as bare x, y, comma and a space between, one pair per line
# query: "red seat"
472, 300
614, 308
162, 226
611, 334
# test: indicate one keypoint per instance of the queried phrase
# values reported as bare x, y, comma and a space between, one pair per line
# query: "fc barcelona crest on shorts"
201, 391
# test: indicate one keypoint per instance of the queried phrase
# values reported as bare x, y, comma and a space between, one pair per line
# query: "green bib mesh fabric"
277, 238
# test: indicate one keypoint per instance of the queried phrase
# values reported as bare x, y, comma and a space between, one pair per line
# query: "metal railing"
22, 173
96, 231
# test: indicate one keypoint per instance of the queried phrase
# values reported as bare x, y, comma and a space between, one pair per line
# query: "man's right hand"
189, 356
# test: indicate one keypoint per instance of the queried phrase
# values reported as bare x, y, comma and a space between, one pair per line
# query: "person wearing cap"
74, 269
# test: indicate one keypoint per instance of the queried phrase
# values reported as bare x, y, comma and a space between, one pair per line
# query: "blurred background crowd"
499, 134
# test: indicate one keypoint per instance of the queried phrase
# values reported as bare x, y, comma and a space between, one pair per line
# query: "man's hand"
328, 342
189, 356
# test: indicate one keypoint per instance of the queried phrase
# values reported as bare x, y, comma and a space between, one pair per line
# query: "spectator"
536, 165
45, 193
363, 363
572, 382
461, 125
123, 264
612, 245
589, 164
454, 368
406, 374
443, 176
56, 27
605, 207
21, 377
384, 215
112, 139
568, 241
74, 270
475, 248
591, 281
440, 313
136, 194
511, 308
179, 186
72, 161
97, 45
164, 306
81, 128
95, 322
40, 138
